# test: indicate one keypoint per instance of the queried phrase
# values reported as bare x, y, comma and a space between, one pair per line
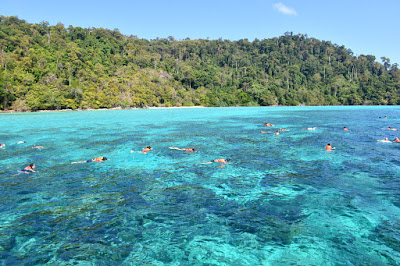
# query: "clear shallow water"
282, 200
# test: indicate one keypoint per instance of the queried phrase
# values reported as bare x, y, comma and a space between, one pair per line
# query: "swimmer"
2, 145
221, 161
29, 169
145, 150
21, 142
276, 132
396, 139
386, 140
268, 124
328, 147
392, 128
283, 129
310, 128
179, 149
37, 147
98, 159
345, 129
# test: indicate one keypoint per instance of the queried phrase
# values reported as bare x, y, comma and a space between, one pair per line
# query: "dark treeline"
44, 67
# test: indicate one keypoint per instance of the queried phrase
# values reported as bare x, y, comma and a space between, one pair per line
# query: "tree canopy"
45, 67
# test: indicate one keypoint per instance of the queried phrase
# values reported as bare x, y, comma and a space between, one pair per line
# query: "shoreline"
171, 107
99, 109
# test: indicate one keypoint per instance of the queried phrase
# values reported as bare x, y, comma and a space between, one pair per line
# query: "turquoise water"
283, 199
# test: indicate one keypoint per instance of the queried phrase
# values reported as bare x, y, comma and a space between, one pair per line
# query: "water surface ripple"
283, 200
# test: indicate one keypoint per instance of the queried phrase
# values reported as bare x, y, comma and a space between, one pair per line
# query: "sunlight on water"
282, 199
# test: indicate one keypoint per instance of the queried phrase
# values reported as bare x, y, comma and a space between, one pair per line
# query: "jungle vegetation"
49, 67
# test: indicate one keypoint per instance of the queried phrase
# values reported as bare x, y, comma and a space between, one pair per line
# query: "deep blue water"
283, 200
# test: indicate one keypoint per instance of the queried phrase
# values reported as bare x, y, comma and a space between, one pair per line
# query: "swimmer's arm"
79, 162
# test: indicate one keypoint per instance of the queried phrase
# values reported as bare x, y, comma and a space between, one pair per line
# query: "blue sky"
365, 27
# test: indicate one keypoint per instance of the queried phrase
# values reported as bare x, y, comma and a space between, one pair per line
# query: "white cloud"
284, 9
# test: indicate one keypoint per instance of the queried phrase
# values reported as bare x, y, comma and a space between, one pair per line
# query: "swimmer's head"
227, 159
104, 158
148, 147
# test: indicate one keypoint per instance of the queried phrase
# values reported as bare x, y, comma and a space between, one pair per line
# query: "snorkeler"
268, 124
328, 147
221, 161
145, 150
98, 159
37, 147
180, 149
29, 169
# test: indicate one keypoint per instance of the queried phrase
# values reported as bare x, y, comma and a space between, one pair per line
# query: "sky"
364, 27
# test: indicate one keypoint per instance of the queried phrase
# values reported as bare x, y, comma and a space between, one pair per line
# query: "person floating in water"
221, 161
180, 149
265, 132
396, 139
145, 150
345, 129
29, 169
21, 142
329, 147
37, 147
385, 140
268, 124
390, 128
98, 159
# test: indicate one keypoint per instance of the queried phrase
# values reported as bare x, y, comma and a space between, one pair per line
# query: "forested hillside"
44, 67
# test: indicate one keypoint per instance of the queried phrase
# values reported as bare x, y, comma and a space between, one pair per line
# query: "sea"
279, 200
